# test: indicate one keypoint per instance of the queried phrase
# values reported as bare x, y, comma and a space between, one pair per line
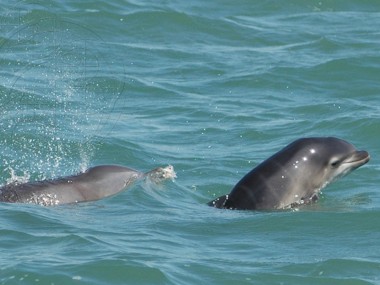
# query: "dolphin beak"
358, 158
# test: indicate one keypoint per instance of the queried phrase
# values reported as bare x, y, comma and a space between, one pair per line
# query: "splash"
16, 179
54, 98
161, 174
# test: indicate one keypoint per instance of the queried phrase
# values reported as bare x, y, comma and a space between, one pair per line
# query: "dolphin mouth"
358, 158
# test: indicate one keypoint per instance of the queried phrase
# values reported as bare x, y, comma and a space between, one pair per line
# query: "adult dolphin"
95, 183
294, 175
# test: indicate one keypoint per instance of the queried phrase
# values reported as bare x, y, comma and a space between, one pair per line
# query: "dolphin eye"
335, 163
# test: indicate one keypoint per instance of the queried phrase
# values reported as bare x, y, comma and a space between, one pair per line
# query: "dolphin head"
316, 162
329, 158
340, 158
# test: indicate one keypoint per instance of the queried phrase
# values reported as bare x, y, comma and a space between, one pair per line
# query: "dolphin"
93, 184
293, 176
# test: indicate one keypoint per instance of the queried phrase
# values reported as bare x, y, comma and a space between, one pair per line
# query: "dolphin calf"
294, 175
95, 183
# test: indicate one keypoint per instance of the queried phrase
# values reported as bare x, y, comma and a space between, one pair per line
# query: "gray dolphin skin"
96, 183
293, 176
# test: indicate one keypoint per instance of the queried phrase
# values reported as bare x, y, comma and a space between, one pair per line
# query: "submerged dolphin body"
294, 175
96, 183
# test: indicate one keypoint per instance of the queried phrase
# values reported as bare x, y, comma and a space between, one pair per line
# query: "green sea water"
212, 88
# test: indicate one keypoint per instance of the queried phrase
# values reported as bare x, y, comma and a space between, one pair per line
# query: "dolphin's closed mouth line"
363, 157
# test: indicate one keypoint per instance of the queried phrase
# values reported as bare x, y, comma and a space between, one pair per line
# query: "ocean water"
211, 87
